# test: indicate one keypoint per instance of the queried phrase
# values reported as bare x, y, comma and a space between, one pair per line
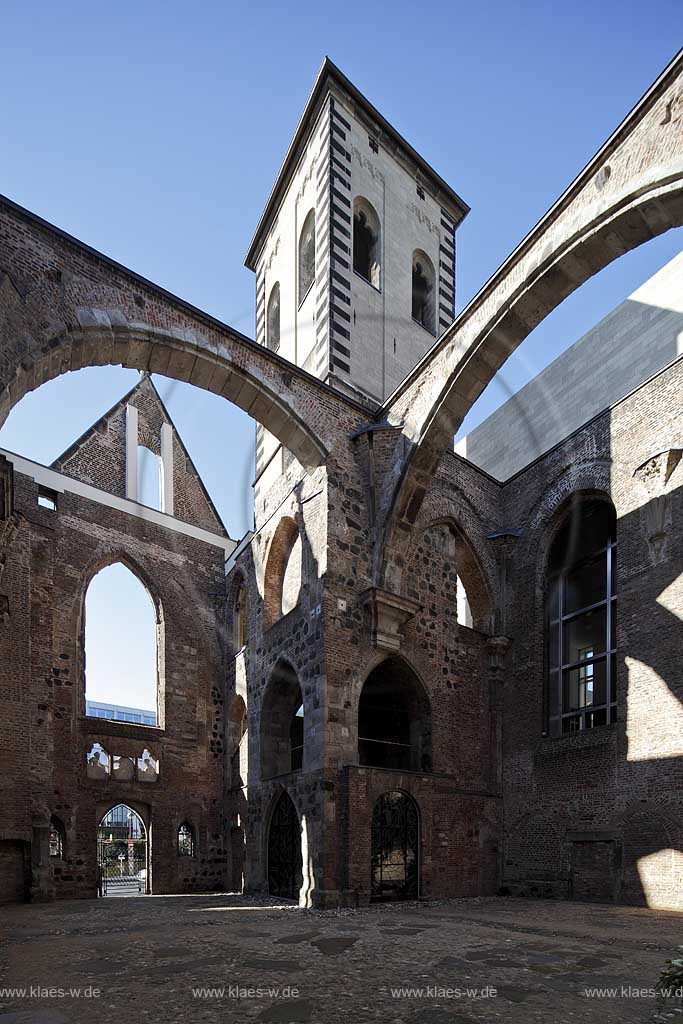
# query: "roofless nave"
330, 728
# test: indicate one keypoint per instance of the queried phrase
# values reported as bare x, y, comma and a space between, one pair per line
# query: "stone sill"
124, 730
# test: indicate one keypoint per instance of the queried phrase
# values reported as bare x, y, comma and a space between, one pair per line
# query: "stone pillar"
166, 468
131, 452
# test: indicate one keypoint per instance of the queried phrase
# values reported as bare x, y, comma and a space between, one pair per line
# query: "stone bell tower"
355, 252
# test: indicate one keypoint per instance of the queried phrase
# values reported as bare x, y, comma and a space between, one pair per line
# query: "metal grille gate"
395, 848
121, 854
284, 850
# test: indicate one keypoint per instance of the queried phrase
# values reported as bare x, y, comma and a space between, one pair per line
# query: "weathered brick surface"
46, 736
383, 523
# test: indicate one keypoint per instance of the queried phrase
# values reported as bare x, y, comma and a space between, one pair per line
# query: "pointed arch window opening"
424, 291
367, 243
273, 319
122, 649
306, 257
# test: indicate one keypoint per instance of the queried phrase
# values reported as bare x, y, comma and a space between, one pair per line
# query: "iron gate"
395, 848
284, 850
121, 853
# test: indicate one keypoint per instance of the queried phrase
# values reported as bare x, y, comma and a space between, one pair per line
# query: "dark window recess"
47, 499
273, 319
420, 191
366, 241
393, 720
307, 256
423, 298
373, 144
581, 614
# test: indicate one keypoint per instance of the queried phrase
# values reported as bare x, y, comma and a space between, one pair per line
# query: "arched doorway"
285, 865
395, 848
122, 861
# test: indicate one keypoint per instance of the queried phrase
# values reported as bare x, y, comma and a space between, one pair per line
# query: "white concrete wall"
641, 336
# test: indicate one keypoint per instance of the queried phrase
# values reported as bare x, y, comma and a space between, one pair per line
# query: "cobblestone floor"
147, 955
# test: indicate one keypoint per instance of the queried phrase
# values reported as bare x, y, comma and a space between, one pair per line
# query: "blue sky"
154, 132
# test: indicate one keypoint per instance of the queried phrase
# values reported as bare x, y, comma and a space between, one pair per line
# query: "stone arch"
283, 572
469, 568
630, 192
280, 706
394, 718
48, 326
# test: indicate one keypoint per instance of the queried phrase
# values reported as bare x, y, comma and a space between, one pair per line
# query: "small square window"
420, 191
47, 499
373, 144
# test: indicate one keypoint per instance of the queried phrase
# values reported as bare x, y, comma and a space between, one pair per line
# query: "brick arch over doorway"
64, 306
630, 192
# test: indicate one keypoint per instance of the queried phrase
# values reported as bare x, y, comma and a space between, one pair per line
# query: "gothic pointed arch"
283, 572
394, 718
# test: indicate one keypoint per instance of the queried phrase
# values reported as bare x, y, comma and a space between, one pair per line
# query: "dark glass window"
581, 611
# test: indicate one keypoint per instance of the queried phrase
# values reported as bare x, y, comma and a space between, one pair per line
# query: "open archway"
122, 853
